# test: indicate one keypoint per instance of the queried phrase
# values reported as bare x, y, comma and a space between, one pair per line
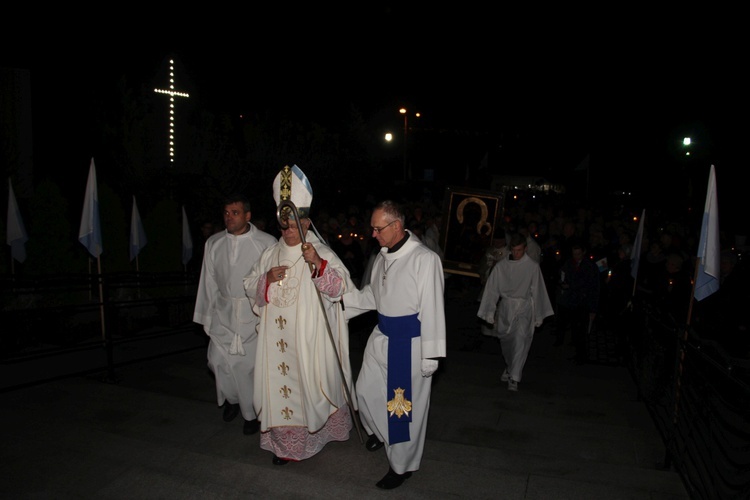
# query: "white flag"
635, 252
187, 239
17, 237
90, 233
707, 279
137, 234
483, 164
584, 165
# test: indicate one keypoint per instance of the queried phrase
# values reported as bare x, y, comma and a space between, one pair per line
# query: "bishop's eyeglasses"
378, 230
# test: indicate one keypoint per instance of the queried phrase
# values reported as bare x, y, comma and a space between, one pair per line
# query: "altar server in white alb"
224, 310
517, 283
406, 288
300, 395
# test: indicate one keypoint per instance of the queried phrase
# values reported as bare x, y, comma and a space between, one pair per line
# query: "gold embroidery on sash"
399, 405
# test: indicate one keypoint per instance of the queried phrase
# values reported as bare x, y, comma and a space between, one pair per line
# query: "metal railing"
69, 311
699, 398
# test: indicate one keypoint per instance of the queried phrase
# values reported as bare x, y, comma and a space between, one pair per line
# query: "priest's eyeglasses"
378, 230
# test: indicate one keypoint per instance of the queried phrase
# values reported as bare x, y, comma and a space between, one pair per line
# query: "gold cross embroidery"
280, 321
282, 345
285, 189
285, 392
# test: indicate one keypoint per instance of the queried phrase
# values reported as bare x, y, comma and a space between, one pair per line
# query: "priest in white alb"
406, 287
515, 303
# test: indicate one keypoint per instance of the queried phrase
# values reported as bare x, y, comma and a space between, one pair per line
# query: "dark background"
535, 93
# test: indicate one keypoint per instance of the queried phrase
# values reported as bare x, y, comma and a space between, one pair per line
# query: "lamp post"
686, 142
406, 128
404, 112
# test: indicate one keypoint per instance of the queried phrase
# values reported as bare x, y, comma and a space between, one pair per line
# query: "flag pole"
187, 245
706, 271
692, 297
91, 293
108, 343
90, 236
137, 238
137, 278
635, 257
16, 232
681, 350
101, 296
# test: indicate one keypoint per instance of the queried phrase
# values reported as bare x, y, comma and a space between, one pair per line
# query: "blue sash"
399, 330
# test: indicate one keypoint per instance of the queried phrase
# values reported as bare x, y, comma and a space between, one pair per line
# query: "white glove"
429, 366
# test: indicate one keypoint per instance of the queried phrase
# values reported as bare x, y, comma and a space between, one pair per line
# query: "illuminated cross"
171, 93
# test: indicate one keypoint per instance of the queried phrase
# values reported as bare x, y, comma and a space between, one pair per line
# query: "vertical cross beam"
172, 93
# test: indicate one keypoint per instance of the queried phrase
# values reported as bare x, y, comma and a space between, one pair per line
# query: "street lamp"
404, 112
687, 142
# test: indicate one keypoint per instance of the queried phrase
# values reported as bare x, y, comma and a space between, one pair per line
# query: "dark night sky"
622, 88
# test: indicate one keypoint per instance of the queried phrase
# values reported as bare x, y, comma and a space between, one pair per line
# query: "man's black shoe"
231, 411
279, 461
373, 443
392, 480
251, 427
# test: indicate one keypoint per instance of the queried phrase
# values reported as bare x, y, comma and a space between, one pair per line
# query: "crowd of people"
565, 238
276, 309
594, 272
